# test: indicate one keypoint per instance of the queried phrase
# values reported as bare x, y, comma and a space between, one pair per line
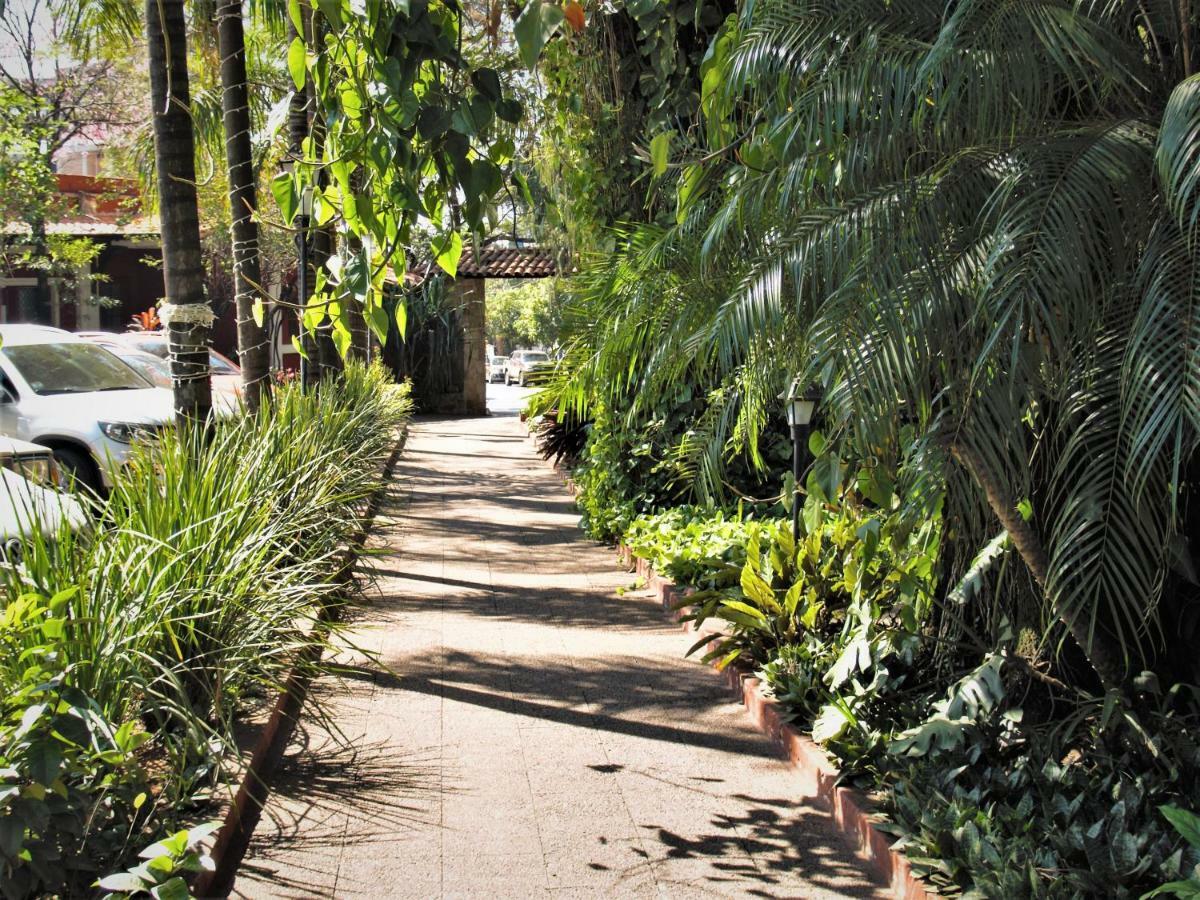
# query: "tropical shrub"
987, 796
686, 543
165, 868
970, 225
561, 437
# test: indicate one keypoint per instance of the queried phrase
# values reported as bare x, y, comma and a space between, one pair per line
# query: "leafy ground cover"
131, 650
995, 783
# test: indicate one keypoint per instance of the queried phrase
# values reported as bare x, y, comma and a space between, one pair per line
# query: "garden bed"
271, 737
205, 588
851, 811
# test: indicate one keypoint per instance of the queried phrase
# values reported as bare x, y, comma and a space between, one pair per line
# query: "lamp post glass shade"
799, 412
306, 201
800, 403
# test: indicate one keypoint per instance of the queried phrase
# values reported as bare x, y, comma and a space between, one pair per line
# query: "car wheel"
78, 469
521, 380
506, 381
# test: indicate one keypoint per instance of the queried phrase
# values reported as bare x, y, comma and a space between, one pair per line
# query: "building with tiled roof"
508, 262
124, 278
496, 261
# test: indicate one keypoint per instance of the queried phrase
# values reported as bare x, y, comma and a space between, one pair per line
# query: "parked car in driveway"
527, 366
495, 368
30, 497
76, 398
226, 374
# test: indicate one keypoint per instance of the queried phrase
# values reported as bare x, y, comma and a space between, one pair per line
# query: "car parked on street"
226, 374
496, 366
155, 368
30, 497
78, 399
526, 366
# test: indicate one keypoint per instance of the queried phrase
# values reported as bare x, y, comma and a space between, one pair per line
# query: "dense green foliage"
409, 148
968, 226
131, 648
31, 203
983, 796
630, 75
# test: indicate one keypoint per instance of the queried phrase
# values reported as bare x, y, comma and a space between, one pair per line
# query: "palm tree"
186, 313
983, 217
973, 223
253, 350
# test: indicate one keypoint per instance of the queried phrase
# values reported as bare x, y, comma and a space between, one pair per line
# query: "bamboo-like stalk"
253, 347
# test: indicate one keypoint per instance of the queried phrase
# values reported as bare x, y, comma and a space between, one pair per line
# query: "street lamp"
800, 402
306, 204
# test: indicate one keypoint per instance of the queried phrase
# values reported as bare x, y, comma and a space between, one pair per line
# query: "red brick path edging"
233, 837
851, 811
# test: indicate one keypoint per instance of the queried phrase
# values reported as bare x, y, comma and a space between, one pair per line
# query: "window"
72, 369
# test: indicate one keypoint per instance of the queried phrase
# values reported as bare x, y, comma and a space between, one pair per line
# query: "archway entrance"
461, 331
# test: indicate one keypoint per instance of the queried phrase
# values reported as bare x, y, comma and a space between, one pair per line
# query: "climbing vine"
411, 147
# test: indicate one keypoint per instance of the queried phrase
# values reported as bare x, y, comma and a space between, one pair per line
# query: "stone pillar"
87, 315
471, 298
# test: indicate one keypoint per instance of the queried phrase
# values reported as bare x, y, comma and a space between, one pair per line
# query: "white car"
227, 387
76, 398
226, 374
30, 499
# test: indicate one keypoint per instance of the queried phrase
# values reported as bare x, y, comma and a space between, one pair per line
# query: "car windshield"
535, 357
72, 369
153, 343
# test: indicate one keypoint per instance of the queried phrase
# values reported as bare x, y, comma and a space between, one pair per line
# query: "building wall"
132, 283
471, 297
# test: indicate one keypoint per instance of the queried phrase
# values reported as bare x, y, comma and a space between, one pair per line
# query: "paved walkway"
539, 733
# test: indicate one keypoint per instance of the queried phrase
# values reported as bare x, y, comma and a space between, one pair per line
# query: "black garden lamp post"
800, 402
302, 223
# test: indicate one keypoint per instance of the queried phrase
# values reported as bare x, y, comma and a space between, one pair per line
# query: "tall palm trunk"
188, 316
1103, 656
253, 350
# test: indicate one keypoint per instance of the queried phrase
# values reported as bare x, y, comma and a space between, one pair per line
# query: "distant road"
505, 400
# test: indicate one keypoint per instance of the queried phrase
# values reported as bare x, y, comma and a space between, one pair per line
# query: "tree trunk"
1103, 657
359, 348
186, 312
297, 133
41, 256
253, 349
328, 361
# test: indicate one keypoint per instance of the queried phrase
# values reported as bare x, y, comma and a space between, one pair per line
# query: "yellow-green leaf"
757, 590
402, 319
297, 63
660, 151
447, 251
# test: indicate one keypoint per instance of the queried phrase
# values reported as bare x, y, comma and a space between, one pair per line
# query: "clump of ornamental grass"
203, 578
